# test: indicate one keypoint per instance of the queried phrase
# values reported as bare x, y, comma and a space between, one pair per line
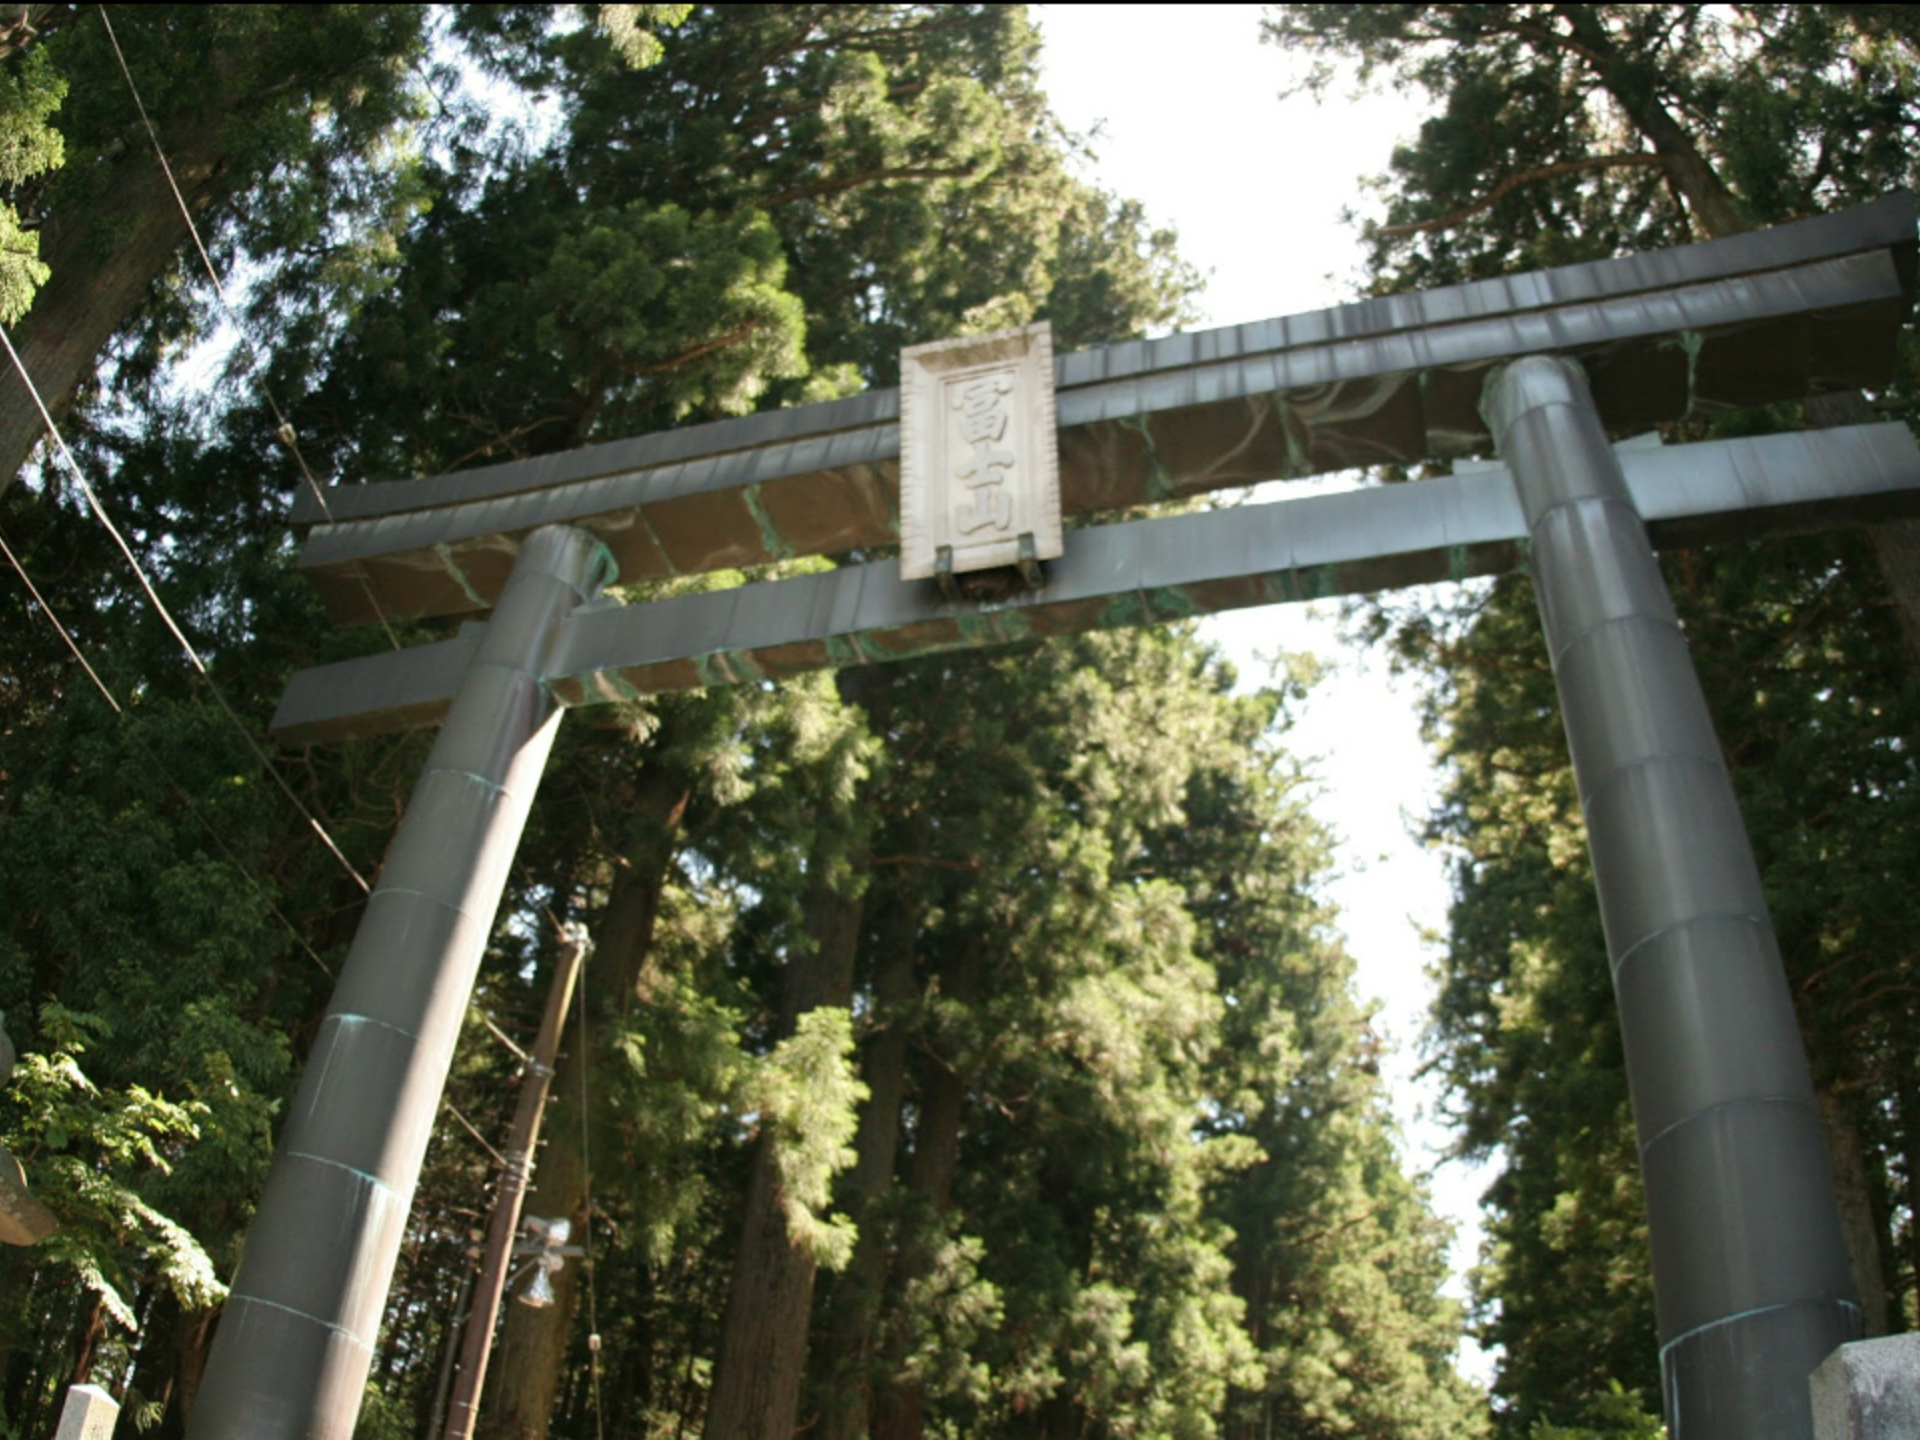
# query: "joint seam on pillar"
495, 786
367, 1176
535, 675
379, 890
531, 674
599, 560
290, 1310
1500, 418
1637, 618
1759, 922
1622, 502
372, 1020
1588, 798
1744, 1100
1758, 1310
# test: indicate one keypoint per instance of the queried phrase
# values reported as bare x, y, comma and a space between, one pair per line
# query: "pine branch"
868, 177
1526, 177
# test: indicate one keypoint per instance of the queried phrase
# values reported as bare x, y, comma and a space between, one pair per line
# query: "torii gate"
1750, 1273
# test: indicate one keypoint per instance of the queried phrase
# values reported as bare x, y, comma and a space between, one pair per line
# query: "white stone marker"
89, 1414
979, 457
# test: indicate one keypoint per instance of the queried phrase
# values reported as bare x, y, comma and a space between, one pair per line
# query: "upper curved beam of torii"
1773, 315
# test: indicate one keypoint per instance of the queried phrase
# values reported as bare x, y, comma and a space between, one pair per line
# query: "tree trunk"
1896, 545
97, 282
1854, 1191
172, 1355
531, 1352
855, 1302
763, 1334
1630, 81
89, 1337
899, 1405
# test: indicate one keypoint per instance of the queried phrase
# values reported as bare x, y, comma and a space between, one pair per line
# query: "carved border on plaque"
979, 453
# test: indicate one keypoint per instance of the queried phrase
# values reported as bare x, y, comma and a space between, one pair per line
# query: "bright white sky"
1184, 104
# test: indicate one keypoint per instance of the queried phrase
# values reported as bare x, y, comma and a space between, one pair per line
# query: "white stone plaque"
979, 463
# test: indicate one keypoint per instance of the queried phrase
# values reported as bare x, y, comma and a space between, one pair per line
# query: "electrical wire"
154, 760
478, 1138
193, 809
288, 436
153, 598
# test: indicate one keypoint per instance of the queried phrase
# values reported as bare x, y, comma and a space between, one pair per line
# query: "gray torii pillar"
291, 1354
1750, 1274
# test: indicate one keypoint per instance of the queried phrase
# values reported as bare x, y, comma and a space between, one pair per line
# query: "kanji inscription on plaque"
979, 464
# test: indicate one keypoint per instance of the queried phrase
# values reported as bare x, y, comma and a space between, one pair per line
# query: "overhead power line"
284, 427
166, 616
154, 760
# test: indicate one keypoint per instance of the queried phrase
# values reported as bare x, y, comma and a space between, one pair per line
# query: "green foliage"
30, 92
1569, 132
1116, 1007
1615, 1415
630, 29
805, 1092
1566, 132
88, 1151
1125, 1022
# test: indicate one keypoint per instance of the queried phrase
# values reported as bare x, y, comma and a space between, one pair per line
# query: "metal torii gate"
1750, 1273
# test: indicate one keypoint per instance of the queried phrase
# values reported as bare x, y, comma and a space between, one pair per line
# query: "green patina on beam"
1276, 587
1292, 427
1457, 563
1689, 343
665, 558
445, 554
994, 627
1316, 582
1159, 478
770, 538
609, 685
843, 650
727, 667
1014, 626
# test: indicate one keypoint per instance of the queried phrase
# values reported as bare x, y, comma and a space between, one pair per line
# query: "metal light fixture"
545, 1249
539, 1291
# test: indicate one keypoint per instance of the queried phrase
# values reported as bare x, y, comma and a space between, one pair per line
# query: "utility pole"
477, 1347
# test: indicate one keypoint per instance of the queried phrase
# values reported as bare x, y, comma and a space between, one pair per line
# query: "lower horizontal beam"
1139, 573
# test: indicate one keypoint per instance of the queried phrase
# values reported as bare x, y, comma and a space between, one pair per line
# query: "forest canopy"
967, 1046
984, 1010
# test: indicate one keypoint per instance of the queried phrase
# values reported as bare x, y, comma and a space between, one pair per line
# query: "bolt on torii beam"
1750, 1274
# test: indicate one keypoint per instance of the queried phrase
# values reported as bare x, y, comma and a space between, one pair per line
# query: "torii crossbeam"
1750, 1274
